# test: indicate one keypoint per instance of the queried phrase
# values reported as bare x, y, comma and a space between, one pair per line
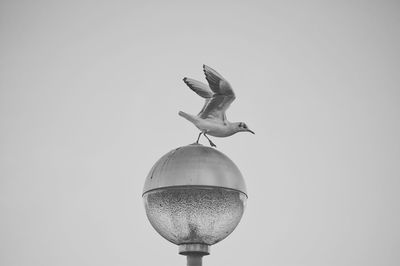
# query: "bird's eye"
244, 126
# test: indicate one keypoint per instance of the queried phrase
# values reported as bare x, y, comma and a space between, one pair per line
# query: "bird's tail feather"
187, 116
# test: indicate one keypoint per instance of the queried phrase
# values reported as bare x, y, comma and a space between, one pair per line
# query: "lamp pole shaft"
194, 260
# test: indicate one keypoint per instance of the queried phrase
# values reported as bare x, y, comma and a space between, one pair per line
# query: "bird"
218, 95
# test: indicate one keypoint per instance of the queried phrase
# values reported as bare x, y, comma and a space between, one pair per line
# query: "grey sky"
89, 96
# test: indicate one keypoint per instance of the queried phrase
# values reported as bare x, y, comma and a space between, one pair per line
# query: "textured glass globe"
194, 195
188, 215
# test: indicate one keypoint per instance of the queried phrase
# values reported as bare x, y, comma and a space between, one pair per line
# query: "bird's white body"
213, 127
212, 118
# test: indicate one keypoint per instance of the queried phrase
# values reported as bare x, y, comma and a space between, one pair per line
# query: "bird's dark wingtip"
205, 68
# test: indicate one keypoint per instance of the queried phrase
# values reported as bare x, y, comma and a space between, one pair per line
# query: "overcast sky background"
89, 97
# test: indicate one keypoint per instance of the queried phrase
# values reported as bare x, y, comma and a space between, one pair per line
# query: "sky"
89, 99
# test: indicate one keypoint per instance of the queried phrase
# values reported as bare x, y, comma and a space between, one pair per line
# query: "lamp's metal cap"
195, 165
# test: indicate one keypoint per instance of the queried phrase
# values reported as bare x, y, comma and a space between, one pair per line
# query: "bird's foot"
209, 140
212, 144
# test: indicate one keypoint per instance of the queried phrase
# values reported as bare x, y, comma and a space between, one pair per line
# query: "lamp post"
194, 197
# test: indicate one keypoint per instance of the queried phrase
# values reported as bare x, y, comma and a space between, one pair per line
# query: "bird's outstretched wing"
201, 89
221, 99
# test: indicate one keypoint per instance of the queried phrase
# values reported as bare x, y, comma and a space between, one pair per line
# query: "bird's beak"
252, 132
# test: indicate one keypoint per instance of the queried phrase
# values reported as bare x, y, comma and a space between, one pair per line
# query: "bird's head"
242, 127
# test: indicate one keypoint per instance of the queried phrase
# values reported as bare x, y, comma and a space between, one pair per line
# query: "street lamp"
194, 197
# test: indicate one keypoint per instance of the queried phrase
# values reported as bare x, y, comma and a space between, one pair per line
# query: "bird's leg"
211, 143
199, 137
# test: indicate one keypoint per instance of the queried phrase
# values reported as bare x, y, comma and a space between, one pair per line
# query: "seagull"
212, 118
